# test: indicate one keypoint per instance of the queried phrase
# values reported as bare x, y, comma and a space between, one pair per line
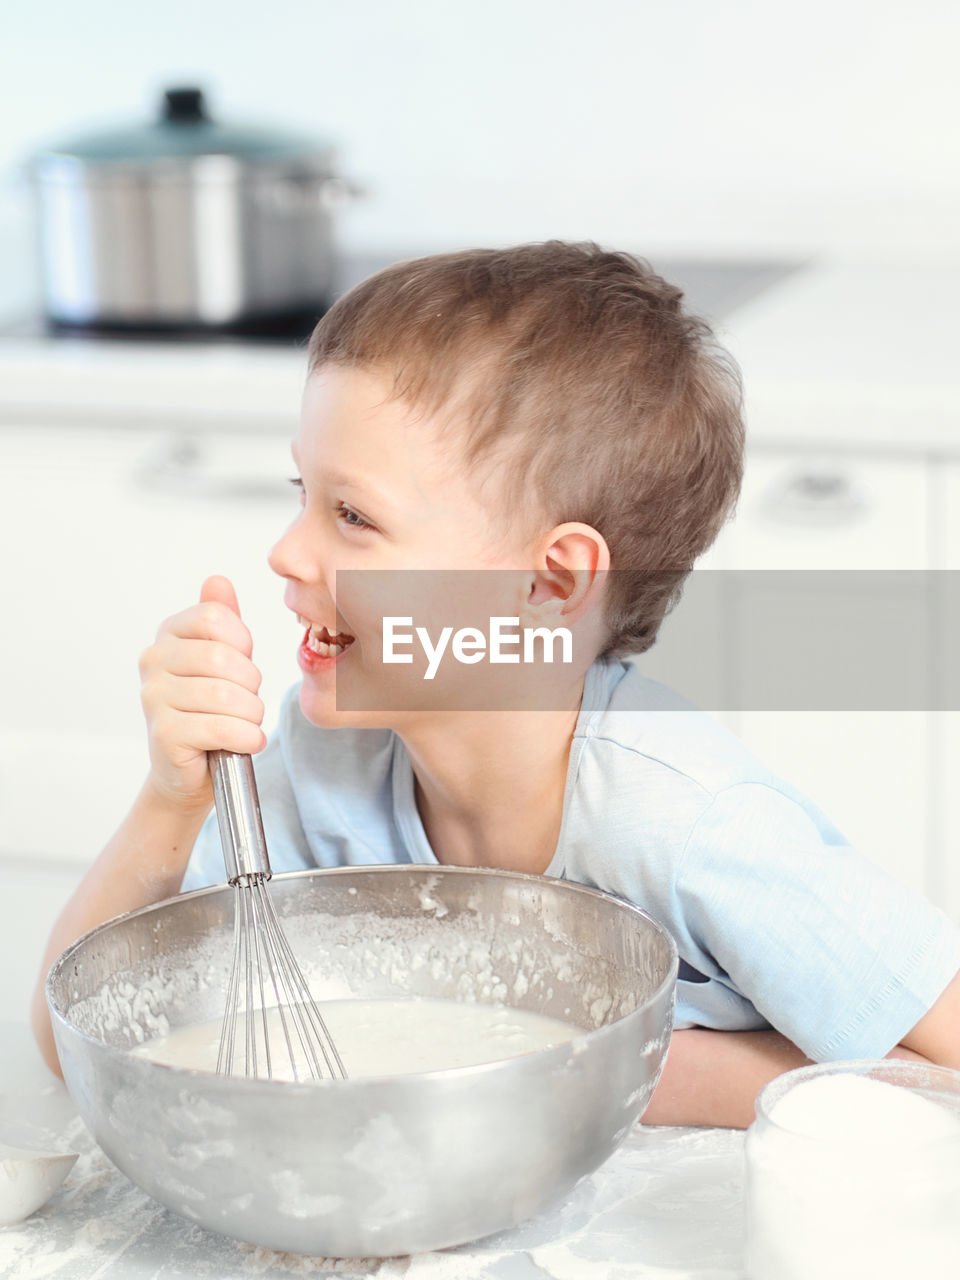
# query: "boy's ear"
571, 568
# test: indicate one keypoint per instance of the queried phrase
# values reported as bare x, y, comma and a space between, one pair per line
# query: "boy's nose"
290, 556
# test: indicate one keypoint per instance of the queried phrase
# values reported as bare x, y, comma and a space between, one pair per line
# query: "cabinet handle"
181, 466
817, 498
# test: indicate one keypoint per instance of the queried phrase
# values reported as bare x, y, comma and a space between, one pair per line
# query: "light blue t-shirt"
778, 920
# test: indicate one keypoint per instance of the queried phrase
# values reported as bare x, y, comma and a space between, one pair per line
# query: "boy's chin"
320, 708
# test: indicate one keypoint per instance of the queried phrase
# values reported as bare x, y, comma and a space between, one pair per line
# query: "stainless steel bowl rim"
558, 1052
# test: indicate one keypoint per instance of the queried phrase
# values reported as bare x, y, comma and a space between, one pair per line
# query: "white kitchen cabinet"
867, 768
803, 509
106, 534
946, 723
866, 764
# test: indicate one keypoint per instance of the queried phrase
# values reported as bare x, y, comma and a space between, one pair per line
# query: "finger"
220, 590
210, 620
212, 697
211, 658
186, 731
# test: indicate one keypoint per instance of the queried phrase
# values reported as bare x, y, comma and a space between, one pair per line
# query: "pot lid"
182, 131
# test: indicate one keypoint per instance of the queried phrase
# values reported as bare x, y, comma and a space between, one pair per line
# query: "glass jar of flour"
853, 1169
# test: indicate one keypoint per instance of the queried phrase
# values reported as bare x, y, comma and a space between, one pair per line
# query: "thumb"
219, 590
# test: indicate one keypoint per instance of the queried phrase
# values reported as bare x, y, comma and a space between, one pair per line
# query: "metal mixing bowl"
375, 1166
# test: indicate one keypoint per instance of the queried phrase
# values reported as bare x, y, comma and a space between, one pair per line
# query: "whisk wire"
263, 961
229, 1027
262, 909
249, 1021
299, 1007
263, 956
310, 1024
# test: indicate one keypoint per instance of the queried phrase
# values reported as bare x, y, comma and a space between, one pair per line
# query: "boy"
547, 415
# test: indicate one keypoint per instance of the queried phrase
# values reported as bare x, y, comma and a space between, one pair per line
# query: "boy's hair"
578, 376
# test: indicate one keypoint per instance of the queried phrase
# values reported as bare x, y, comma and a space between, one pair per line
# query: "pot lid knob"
181, 131
184, 106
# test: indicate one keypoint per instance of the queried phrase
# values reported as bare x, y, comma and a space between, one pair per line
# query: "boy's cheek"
442, 640
429, 600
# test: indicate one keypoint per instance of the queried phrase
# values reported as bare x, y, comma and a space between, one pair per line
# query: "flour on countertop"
665, 1206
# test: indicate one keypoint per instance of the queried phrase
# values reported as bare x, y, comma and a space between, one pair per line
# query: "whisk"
266, 985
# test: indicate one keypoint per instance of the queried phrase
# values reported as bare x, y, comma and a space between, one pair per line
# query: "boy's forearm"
713, 1077
143, 863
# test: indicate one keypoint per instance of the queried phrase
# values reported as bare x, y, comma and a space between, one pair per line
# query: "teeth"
322, 648
326, 648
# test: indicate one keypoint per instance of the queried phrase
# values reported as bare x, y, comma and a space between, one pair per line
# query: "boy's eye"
346, 514
350, 517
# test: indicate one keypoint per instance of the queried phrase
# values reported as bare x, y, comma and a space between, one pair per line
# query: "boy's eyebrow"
354, 482
348, 481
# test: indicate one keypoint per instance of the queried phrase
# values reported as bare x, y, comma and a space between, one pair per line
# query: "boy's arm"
842, 956
143, 863
713, 1077
199, 694
937, 1035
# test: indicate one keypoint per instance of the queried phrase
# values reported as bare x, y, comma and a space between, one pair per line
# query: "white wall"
697, 126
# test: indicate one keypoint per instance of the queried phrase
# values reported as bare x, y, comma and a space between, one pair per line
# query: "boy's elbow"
936, 1037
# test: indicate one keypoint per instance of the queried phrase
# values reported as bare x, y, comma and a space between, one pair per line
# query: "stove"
712, 289
246, 378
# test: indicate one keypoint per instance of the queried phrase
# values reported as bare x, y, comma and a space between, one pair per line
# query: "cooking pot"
186, 223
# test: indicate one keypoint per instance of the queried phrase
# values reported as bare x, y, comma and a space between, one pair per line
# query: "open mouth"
319, 640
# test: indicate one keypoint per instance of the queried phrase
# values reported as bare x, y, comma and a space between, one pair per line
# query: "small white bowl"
28, 1179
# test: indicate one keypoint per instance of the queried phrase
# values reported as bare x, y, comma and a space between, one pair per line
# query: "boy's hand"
199, 694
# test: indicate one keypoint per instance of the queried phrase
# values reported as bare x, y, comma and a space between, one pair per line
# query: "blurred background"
796, 168
677, 127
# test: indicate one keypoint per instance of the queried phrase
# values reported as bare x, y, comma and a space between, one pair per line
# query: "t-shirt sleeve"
830, 949
287, 845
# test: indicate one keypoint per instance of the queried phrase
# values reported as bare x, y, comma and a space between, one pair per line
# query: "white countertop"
834, 356
853, 356
225, 386
667, 1203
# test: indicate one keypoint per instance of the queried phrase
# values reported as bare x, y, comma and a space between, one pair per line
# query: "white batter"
384, 1037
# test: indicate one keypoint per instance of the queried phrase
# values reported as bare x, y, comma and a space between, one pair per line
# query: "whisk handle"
238, 816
